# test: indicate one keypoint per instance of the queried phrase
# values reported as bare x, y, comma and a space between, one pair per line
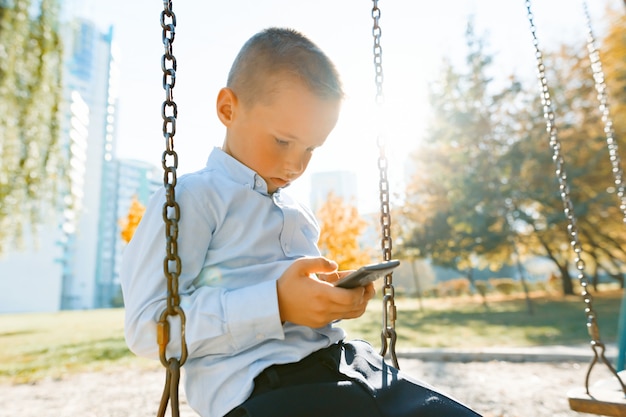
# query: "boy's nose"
296, 165
293, 170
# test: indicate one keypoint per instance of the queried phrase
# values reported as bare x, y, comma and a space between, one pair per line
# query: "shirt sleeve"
219, 321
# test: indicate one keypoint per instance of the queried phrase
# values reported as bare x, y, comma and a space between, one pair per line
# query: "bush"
453, 287
505, 286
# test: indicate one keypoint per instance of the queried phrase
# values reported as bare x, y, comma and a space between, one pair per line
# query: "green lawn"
34, 346
467, 324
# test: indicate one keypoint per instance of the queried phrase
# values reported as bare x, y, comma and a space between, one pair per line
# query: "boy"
257, 295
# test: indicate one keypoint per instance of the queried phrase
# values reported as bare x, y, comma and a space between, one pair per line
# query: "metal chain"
171, 216
602, 91
597, 345
388, 334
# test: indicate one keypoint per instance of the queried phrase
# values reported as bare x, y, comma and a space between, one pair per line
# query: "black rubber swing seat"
605, 398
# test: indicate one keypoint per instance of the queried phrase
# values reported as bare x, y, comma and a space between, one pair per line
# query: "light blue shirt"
235, 240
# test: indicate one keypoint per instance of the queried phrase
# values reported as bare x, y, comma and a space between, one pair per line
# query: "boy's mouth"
280, 182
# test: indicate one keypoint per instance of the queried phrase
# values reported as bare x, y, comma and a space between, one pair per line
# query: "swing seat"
606, 398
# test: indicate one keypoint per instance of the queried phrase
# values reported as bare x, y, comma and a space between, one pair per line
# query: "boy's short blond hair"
276, 54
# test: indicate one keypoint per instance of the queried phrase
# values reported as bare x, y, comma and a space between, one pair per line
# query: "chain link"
388, 333
602, 94
171, 215
597, 345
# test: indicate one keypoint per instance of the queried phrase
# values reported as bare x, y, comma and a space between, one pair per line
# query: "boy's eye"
282, 142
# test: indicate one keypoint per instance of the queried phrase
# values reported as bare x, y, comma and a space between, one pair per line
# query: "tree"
341, 227
539, 210
485, 183
131, 221
32, 169
613, 51
455, 202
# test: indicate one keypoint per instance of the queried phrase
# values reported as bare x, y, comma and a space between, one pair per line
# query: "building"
128, 179
92, 73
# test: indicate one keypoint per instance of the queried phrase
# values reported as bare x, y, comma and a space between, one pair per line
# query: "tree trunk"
595, 279
418, 287
522, 276
566, 279
470, 277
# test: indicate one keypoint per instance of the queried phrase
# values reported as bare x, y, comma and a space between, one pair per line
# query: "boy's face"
277, 138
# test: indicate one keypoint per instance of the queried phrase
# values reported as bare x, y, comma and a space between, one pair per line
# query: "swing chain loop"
602, 94
172, 265
378, 53
568, 207
388, 333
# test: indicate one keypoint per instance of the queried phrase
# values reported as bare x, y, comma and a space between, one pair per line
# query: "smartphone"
367, 274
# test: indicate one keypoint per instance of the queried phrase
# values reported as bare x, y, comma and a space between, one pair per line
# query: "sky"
416, 35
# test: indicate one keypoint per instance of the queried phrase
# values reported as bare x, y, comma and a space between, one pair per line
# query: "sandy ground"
493, 388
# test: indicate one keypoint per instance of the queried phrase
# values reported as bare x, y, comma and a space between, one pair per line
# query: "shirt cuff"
252, 315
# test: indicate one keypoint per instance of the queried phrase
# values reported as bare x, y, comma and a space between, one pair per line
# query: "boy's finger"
320, 264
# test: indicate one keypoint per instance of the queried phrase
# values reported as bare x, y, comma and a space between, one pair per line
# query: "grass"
36, 346
467, 323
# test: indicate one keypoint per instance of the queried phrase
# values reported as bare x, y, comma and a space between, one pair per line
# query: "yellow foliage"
131, 221
612, 52
341, 227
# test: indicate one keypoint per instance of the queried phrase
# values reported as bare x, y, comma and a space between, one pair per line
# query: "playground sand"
493, 388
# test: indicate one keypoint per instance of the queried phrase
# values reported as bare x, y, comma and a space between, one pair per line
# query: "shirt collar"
239, 172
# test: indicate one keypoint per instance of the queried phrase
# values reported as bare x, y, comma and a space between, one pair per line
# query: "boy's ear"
225, 106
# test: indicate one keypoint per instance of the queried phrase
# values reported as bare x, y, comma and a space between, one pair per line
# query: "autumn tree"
131, 221
485, 183
612, 53
341, 227
538, 206
31, 165
455, 211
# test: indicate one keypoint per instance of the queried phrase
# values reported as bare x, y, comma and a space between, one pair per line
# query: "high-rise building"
130, 179
92, 73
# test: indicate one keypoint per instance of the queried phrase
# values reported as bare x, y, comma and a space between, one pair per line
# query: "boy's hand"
306, 300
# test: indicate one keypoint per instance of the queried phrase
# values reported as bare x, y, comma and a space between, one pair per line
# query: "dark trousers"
349, 379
